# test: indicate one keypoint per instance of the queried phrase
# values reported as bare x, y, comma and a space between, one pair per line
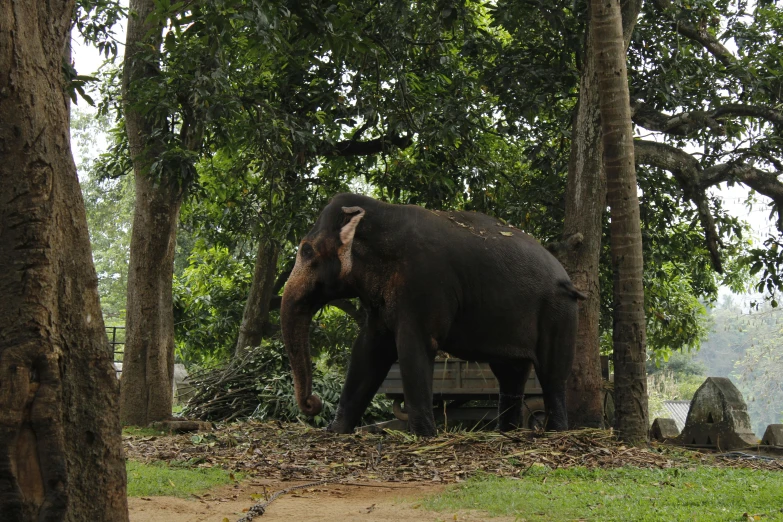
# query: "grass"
149, 480
624, 494
137, 431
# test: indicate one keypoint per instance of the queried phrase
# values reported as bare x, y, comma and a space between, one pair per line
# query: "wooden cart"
461, 390
468, 391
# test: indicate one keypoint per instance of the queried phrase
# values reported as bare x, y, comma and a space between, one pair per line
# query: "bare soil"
354, 502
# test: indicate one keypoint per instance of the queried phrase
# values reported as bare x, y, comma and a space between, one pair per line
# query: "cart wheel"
398, 411
534, 414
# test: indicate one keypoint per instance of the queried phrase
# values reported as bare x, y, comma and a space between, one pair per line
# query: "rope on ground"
260, 507
748, 456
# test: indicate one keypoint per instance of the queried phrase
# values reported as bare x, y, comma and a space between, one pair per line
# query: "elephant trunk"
295, 320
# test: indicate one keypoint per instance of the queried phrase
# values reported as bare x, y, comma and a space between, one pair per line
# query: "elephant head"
323, 264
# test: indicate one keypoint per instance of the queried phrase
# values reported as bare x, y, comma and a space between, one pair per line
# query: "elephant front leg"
416, 366
371, 357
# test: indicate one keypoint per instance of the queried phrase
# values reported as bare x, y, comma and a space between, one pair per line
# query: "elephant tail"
569, 287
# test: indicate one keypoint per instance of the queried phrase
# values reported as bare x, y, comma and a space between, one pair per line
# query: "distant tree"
109, 206
745, 346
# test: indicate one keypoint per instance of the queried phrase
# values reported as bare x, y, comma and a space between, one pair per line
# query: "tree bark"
257, 307
585, 203
60, 444
630, 383
584, 213
148, 362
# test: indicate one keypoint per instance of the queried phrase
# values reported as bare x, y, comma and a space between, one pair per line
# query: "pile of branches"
259, 385
293, 451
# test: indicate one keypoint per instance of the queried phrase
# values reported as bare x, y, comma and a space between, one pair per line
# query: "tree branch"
701, 36
695, 181
687, 171
686, 123
363, 148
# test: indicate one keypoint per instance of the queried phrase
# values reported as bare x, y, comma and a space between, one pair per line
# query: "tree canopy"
458, 105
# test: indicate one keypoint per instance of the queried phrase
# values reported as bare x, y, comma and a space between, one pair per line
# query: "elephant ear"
349, 229
346, 237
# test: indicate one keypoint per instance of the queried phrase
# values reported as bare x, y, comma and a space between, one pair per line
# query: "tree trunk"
60, 445
630, 384
148, 362
585, 203
261, 289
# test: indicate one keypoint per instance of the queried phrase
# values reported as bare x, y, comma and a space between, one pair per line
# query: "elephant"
461, 282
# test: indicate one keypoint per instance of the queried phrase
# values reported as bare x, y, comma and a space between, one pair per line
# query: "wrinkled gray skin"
460, 282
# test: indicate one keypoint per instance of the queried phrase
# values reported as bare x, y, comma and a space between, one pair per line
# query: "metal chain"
259, 508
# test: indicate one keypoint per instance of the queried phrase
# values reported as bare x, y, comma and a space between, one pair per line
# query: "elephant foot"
422, 427
342, 430
340, 425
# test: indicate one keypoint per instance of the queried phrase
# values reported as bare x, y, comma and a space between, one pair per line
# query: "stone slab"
664, 429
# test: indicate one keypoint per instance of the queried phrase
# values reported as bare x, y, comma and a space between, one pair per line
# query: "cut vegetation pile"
259, 385
297, 452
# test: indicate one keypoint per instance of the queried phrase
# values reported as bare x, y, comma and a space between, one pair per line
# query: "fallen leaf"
504, 233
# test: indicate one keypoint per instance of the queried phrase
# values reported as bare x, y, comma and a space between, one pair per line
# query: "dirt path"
365, 502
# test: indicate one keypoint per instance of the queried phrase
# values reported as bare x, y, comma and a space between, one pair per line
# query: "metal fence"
116, 336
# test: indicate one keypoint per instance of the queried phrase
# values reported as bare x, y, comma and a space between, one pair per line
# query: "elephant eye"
307, 252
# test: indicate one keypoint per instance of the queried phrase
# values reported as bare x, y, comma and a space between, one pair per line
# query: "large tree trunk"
261, 289
148, 362
585, 203
60, 444
582, 231
630, 383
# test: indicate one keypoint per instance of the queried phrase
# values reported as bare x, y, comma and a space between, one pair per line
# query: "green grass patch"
157, 479
624, 494
137, 431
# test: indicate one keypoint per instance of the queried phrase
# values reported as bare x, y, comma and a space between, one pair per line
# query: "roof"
679, 411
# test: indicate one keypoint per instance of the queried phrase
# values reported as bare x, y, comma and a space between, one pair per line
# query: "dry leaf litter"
279, 451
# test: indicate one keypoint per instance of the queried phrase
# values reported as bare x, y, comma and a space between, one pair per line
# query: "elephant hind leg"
512, 376
555, 403
555, 358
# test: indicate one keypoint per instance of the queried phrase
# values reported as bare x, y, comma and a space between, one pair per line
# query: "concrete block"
773, 436
718, 417
664, 429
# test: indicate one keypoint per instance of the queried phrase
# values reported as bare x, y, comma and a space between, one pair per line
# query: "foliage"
109, 206
676, 320
174, 479
679, 363
95, 21
209, 300
260, 385
479, 99
332, 335
701, 494
670, 386
745, 347
723, 101
675, 378
759, 370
